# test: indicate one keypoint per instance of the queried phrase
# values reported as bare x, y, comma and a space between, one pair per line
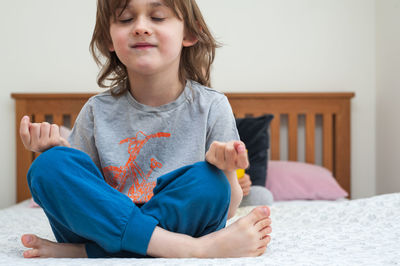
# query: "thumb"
242, 158
64, 142
239, 147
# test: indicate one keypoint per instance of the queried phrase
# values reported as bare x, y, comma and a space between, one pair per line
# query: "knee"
212, 184
45, 167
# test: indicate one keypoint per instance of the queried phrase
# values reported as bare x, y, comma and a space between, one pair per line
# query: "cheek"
172, 45
118, 38
118, 42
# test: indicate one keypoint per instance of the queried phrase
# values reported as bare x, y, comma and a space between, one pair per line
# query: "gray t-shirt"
133, 144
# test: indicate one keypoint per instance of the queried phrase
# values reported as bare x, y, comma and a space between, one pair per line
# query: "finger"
244, 185
24, 131
230, 156
247, 188
34, 130
240, 147
241, 159
64, 142
54, 135
44, 132
246, 180
246, 176
210, 154
220, 154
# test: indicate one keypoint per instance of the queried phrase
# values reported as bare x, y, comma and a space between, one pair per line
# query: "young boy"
135, 185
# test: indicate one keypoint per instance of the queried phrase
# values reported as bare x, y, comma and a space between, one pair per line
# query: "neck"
155, 90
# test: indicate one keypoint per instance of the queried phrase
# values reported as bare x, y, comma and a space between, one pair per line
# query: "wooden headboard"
334, 108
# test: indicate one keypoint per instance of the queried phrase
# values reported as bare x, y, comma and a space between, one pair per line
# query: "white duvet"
356, 232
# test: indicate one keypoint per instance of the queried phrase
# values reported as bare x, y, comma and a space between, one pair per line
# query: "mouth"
143, 45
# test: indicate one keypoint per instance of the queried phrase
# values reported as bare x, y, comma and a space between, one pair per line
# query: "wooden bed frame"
334, 108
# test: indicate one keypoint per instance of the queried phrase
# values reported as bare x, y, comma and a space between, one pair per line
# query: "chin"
144, 69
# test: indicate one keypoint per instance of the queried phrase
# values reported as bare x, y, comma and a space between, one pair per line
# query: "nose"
141, 27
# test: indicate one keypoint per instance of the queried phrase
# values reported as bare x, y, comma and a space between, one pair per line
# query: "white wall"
388, 96
307, 45
44, 47
269, 45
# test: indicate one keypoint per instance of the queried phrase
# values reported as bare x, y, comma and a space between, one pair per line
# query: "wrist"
230, 174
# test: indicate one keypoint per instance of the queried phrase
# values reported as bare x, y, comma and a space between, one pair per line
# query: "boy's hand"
228, 156
39, 137
245, 184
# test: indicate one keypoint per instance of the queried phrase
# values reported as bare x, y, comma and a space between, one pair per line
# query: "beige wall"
269, 45
388, 96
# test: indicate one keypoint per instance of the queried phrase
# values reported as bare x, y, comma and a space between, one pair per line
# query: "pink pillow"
302, 181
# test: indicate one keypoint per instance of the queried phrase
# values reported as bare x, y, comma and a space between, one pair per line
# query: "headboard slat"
58, 119
73, 118
342, 146
275, 137
39, 117
310, 138
292, 129
327, 139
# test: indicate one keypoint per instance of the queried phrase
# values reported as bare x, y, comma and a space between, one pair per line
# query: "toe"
265, 240
32, 253
263, 223
261, 250
265, 231
29, 240
259, 213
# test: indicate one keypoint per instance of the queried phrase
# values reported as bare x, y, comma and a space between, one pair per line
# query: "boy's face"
147, 37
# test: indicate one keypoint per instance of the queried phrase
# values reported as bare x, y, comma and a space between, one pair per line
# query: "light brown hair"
196, 60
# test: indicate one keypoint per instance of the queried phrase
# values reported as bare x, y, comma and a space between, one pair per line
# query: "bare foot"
247, 237
43, 248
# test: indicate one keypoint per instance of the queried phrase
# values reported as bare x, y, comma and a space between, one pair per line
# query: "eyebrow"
152, 4
156, 4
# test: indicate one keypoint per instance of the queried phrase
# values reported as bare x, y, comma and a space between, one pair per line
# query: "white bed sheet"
356, 232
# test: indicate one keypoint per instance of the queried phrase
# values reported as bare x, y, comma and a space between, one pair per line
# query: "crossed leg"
247, 237
191, 201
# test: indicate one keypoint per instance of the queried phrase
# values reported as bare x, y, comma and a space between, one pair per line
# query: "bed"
341, 232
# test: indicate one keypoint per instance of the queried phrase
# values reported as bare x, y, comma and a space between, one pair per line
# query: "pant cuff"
138, 232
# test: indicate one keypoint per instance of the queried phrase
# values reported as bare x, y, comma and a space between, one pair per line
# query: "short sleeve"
82, 135
221, 123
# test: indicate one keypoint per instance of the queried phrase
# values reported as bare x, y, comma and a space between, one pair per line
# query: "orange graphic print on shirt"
141, 189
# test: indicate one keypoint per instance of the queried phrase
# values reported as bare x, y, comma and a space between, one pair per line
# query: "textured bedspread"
357, 232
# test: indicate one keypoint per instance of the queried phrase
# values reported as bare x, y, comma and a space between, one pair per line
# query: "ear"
111, 47
189, 40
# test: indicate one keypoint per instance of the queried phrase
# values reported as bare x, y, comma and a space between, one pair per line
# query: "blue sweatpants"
83, 208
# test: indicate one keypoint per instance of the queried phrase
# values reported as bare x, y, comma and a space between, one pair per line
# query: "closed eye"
157, 19
126, 20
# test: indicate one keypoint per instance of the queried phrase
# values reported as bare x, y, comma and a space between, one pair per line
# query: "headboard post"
342, 146
23, 156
